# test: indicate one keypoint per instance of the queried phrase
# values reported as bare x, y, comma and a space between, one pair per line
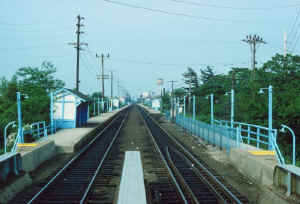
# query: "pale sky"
144, 45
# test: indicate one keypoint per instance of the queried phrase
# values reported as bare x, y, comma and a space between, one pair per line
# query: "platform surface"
103, 117
150, 110
68, 137
132, 187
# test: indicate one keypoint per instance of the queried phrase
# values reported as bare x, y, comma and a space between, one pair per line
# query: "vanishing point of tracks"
171, 173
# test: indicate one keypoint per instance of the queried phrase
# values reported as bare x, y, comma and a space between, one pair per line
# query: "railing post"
207, 138
258, 137
20, 127
232, 107
98, 106
237, 137
214, 134
211, 109
184, 106
38, 129
221, 139
228, 140
194, 107
270, 116
45, 131
94, 106
52, 112
249, 132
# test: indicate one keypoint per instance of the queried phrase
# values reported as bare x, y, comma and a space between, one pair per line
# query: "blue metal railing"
17, 140
225, 136
258, 136
38, 130
254, 135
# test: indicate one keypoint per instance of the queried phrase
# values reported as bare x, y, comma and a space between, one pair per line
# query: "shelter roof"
75, 93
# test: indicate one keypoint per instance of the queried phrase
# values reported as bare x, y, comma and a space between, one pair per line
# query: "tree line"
36, 83
283, 73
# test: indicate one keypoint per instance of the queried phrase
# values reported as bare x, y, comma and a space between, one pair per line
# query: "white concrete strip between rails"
132, 187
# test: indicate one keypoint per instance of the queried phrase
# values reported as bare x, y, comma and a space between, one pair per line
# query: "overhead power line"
135, 61
87, 66
3, 23
171, 13
87, 62
294, 33
294, 24
236, 8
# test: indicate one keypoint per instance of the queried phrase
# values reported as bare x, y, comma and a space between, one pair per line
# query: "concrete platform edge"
34, 158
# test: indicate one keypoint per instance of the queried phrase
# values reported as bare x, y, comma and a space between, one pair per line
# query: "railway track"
199, 184
160, 188
171, 173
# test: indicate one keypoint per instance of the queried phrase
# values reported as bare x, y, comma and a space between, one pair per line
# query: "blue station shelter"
70, 108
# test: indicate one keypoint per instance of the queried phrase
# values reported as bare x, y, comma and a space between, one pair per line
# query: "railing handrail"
238, 128
41, 131
246, 124
278, 154
14, 148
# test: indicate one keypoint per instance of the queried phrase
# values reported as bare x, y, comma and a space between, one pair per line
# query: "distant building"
156, 104
116, 103
145, 95
71, 108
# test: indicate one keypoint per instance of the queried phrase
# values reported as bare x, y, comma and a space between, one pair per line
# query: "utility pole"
172, 98
102, 77
253, 41
284, 44
111, 83
78, 48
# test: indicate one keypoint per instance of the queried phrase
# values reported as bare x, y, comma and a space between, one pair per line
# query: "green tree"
36, 82
190, 78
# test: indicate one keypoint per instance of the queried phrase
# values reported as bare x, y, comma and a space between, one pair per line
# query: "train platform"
256, 164
150, 110
69, 140
63, 141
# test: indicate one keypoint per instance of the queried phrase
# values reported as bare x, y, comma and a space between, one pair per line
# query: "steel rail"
103, 158
223, 187
84, 149
164, 161
198, 173
216, 180
183, 182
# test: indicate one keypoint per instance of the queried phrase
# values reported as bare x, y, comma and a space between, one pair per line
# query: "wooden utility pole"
78, 48
172, 99
102, 77
253, 41
284, 44
111, 84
